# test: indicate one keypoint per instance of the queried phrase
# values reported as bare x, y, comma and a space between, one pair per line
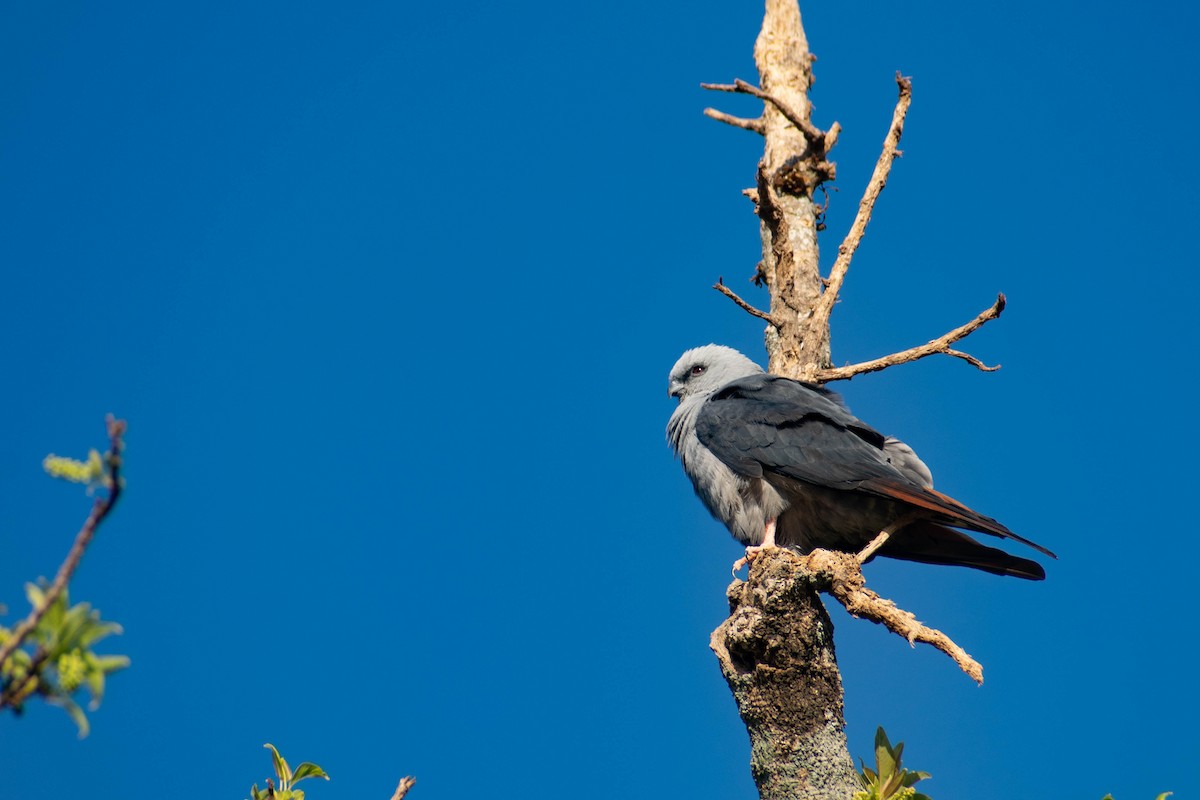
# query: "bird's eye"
697, 370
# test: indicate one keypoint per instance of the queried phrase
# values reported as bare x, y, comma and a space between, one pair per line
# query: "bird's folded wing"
774, 424
765, 425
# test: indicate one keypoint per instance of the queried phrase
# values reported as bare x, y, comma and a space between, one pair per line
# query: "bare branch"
879, 178
749, 309
939, 345
972, 360
816, 137
831, 135
755, 125
100, 510
402, 788
843, 579
879, 541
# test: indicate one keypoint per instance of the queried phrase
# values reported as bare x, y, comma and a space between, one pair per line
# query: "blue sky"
388, 293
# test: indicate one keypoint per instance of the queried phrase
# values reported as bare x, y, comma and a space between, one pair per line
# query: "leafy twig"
100, 509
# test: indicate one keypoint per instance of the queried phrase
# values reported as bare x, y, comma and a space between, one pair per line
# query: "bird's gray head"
704, 370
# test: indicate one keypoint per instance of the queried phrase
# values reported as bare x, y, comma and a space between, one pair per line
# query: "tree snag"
776, 649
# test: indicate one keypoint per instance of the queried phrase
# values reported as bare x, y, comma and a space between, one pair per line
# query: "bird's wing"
766, 425
903, 458
931, 543
769, 424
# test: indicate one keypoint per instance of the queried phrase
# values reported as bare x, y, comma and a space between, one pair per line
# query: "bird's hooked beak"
675, 389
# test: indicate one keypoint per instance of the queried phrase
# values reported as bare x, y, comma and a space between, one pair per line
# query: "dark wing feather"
931, 543
950, 510
765, 424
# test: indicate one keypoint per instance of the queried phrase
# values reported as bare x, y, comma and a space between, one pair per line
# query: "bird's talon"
751, 553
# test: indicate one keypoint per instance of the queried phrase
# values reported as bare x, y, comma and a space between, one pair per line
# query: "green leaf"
35, 595
308, 770
18, 662
55, 612
74, 712
95, 684
107, 664
282, 771
99, 630
884, 761
70, 631
891, 782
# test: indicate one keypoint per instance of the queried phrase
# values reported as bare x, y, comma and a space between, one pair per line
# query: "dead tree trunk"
776, 653
776, 649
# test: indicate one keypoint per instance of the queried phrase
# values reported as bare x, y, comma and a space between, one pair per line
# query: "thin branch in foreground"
843, 579
402, 788
879, 178
749, 309
939, 345
879, 541
100, 510
755, 124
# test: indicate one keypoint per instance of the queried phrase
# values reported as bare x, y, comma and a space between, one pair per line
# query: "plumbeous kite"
782, 462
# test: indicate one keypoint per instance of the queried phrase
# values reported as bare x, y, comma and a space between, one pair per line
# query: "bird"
784, 463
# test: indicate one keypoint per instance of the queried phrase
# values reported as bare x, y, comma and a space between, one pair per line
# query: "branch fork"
805, 170
819, 140
934, 346
840, 576
815, 325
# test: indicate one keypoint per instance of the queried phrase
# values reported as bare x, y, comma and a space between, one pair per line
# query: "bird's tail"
931, 543
950, 510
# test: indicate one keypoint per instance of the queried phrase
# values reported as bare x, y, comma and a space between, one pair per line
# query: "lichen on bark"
776, 652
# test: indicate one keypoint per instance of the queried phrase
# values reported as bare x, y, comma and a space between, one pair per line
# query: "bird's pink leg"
752, 551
